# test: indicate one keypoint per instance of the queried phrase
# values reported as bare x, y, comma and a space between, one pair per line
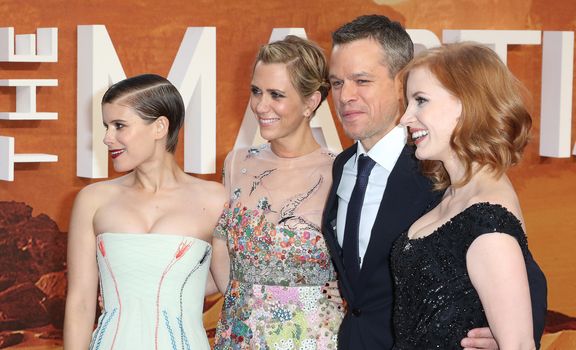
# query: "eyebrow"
252, 86
276, 90
418, 92
114, 121
361, 75
354, 75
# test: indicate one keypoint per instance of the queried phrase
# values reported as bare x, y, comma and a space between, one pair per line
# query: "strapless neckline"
152, 234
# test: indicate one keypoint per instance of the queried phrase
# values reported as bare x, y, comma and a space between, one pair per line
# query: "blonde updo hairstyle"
305, 62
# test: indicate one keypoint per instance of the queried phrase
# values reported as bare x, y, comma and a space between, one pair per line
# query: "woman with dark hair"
466, 263
270, 258
144, 237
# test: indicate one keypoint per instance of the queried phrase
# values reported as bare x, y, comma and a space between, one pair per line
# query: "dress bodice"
435, 301
272, 223
152, 287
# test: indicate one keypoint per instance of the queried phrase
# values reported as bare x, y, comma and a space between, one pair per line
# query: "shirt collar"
387, 150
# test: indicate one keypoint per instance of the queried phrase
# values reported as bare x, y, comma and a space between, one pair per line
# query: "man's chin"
356, 136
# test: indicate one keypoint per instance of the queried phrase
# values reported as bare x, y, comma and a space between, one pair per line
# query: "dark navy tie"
351, 253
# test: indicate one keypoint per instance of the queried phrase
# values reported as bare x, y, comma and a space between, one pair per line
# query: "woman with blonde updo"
270, 258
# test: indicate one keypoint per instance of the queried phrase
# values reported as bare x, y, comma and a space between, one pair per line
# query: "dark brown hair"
395, 42
151, 96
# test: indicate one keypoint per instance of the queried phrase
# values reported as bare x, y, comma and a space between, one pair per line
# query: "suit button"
356, 312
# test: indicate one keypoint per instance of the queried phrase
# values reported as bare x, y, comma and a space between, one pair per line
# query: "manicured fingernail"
324, 291
329, 297
326, 284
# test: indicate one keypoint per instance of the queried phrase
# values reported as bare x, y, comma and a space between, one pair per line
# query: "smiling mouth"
417, 136
267, 121
115, 153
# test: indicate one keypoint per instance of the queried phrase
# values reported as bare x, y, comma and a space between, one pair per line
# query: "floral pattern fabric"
279, 260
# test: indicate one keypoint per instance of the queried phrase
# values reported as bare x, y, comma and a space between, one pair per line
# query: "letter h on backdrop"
39, 47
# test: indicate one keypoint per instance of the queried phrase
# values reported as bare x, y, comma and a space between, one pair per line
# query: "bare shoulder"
204, 202
100, 190
88, 202
98, 194
212, 186
502, 193
201, 185
91, 193
211, 192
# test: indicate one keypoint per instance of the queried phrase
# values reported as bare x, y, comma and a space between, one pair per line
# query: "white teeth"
418, 134
115, 153
268, 121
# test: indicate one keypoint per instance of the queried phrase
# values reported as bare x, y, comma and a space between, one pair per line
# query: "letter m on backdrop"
193, 73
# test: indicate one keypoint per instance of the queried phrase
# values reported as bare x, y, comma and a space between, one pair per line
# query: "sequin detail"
435, 301
278, 258
275, 317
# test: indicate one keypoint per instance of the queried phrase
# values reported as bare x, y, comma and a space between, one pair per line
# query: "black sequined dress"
435, 302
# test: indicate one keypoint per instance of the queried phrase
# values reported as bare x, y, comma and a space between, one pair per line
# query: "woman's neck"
158, 173
294, 146
480, 178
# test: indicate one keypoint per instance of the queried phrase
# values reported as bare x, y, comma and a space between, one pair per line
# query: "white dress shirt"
385, 153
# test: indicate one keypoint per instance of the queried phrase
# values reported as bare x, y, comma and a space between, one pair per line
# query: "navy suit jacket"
368, 322
408, 195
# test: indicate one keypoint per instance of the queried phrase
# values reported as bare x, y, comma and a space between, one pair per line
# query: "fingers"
331, 290
332, 293
331, 284
336, 300
478, 339
100, 302
479, 344
480, 333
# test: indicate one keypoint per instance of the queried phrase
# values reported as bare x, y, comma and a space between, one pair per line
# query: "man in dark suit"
377, 191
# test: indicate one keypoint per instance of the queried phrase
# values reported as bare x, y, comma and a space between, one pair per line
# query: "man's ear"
161, 127
399, 87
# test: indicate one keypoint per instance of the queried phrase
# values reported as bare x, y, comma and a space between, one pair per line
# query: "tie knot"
365, 165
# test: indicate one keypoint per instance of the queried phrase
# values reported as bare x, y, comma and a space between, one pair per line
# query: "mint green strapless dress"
153, 292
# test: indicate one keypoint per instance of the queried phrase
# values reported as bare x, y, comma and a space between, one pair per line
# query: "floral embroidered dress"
153, 292
278, 257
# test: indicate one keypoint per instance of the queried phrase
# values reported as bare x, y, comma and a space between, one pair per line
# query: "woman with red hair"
466, 263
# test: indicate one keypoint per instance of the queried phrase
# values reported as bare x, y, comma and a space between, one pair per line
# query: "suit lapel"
405, 192
331, 208
329, 221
